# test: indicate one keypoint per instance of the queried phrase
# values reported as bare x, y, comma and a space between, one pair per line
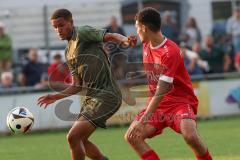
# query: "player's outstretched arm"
118, 38
75, 88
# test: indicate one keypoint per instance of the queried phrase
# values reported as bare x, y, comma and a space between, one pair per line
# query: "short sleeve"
170, 63
91, 34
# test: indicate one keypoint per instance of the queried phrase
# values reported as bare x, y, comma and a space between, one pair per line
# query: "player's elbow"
163, 88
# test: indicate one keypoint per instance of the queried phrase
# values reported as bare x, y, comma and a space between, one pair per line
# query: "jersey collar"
160, 45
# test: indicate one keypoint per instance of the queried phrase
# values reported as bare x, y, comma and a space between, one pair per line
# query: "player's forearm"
153, 105
68, 92
162, 89
115, 37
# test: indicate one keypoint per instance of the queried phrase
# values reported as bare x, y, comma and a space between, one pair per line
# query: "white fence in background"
44, 118
216, 97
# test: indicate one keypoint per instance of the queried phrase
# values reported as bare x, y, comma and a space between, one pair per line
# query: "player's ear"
71, 21
144, 28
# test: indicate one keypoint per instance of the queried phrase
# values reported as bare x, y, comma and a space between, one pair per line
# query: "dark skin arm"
118, 38
74, 88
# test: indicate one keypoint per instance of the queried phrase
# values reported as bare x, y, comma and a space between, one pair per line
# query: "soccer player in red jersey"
172, 102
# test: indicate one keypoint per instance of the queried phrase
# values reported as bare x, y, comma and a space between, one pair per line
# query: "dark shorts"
99, 108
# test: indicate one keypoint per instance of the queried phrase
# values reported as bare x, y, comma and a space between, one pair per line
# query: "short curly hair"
62, 13
149, 17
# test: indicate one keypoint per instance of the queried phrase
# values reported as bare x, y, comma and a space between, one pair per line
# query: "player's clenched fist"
132, 40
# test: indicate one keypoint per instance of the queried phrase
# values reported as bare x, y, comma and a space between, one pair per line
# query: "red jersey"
237, 58
165, 62
58, 72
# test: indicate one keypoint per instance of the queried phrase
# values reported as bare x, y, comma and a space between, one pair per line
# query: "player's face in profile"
63, 28
140, 31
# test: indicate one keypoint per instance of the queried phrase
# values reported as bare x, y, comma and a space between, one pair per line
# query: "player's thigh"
148, 130
180, 116
81, 129
188, 127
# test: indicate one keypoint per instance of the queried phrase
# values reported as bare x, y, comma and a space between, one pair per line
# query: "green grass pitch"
221, 135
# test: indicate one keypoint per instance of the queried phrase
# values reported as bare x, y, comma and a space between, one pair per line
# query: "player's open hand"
46, 100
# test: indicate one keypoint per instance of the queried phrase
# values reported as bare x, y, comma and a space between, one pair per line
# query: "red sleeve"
170, 63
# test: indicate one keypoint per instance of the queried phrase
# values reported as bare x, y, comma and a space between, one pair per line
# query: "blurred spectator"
227, 48
233, 28
196, 48
218, 60
193, 32
58, 71
219, 30
183, 38
190, 60
113, 27
7, 80
32, 70
169, 28
5, 50
43, 82
237, 62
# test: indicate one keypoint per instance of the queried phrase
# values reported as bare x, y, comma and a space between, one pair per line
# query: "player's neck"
156, 39
71, 35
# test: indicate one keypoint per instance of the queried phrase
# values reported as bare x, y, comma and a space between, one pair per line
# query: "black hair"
62, 13
149, 17
57, 56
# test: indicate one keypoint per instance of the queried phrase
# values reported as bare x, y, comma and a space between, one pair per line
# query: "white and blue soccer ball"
20, 120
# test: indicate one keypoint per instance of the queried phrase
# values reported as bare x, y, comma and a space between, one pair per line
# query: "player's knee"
126, 137
190, 137
72, 139
131, 139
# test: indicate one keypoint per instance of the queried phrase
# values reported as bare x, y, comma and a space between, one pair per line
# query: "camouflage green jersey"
88, 61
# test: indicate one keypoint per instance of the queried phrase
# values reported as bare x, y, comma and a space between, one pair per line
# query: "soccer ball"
20, 120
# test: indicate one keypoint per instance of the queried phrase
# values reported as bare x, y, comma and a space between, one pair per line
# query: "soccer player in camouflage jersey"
90, 70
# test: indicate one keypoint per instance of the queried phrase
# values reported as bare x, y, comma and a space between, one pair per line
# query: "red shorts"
169, 117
